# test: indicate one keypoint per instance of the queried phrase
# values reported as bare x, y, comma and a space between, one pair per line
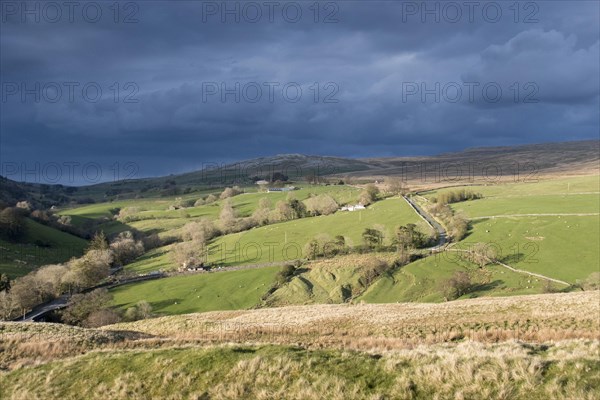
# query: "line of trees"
369, 195
457, 224
406, 239
455, 196
51, 281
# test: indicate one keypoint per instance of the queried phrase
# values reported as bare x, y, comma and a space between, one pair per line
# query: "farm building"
353, 208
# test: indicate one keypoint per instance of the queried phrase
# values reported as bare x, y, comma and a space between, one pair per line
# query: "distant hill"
581, 157
38, 194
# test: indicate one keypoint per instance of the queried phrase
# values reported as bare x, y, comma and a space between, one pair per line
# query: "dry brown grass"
23, 344
365, 327
534, 347
538, 318
470, 370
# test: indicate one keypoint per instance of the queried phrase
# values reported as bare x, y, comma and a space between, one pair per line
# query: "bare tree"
396, 186
81, 306
92, 267
53, 277
189, 254
322, 204
9, 306
202, 231
283, 211
261, 214
125, 248
230, 192
141, 310
458, 285
228, 216
482, 254
26, 293
13, 225
211, 198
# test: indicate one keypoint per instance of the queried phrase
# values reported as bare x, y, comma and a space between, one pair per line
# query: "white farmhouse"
353, 208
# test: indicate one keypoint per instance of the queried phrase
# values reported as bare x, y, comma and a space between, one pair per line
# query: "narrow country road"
441, 232
43, 309
38, 313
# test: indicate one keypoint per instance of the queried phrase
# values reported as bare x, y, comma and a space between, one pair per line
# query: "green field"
336, 280
559, 246
153, 260
153, 216
564, 248
42, 245
421, 281
343, 279
286, 240
183, 294
558, 186
534, 204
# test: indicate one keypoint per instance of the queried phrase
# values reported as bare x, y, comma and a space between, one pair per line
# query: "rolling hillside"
42, 245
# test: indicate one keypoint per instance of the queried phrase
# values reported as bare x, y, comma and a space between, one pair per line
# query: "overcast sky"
190, 82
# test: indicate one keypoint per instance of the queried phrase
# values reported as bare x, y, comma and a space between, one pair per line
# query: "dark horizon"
15, 170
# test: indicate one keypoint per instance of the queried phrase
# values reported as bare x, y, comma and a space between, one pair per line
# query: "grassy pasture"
42, 245
564, 248
534, 347
154, 217
557, 186
286, 240
334, 280
153, 260
561, 247
230, 290
534, 204
270, 371
421, 280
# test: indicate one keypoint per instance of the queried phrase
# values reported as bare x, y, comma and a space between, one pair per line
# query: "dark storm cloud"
379, 81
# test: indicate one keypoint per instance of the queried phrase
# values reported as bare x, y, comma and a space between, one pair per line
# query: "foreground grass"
538, 318
527, 347
508, 371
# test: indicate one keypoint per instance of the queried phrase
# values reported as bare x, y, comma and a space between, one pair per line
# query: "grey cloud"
370, 54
